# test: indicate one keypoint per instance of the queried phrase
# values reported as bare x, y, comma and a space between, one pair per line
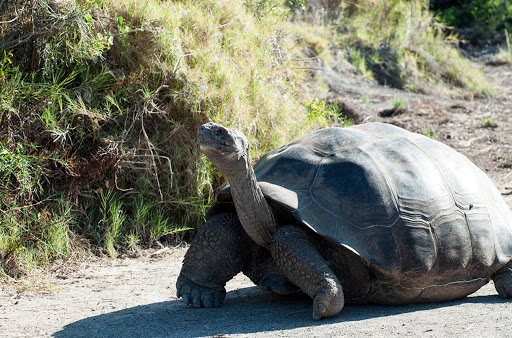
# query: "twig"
161, 67
137, 117
15, 11
156, 253
226, 24
150, 148
177, 65
50, 198
307, 68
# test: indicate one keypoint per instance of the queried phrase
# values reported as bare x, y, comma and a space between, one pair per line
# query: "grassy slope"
400, 44
98, 116
101, 131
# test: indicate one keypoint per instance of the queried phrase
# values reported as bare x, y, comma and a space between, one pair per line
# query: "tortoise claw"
329, 300
197, 295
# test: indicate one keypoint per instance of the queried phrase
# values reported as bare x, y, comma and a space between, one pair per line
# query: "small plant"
131, 241
505, 54
430, 133
398, 104
365, 99
325, 114
487, 122
5, 63
111, 222
398, 108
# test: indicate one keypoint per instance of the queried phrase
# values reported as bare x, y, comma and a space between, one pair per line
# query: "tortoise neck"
252, 208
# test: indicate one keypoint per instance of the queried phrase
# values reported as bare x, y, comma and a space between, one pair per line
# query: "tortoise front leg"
503, 281
217, 254
300, 261
220, 251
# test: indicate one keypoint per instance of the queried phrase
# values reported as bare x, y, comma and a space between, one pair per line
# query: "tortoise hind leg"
503, 281
263, 271
305, 267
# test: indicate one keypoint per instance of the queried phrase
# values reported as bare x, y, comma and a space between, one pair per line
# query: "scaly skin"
228, 150
304, 266
214, 257
503, 281
220, 251
294, 255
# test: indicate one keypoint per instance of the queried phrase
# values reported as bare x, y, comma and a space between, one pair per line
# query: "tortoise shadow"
245, 311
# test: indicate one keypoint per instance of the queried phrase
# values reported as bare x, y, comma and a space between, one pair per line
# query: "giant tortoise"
366, 214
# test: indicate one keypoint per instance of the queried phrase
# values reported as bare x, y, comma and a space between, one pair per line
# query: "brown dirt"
135, 297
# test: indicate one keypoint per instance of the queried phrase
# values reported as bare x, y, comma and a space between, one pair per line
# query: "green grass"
400, 44
365, 99
322, 114
98, 123
398, 104
487, 122
430, 133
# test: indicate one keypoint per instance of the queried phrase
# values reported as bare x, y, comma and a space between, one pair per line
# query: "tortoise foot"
278, 283
197, 295
300, 261
503, 281
329, 300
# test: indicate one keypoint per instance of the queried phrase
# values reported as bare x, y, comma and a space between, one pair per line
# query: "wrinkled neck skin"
253, 211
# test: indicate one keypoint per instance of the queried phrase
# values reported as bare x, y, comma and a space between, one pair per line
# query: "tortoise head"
226, 148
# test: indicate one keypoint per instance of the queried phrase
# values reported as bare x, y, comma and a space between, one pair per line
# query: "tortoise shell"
411, 207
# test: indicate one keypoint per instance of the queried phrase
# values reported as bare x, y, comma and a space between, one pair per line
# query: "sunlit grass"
402, 45
106, 121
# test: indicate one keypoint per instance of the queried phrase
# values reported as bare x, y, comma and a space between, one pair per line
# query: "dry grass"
110, 100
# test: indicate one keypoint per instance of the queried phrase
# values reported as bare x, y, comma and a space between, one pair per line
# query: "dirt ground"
135, 297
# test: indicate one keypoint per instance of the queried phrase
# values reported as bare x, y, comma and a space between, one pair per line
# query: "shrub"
488, 18
99, 107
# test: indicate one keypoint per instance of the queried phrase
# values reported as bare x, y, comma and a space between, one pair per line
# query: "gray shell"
409, 206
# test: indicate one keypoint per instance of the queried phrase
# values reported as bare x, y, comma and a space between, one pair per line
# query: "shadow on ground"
245, 311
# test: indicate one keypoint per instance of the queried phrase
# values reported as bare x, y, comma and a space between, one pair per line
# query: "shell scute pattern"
408, 205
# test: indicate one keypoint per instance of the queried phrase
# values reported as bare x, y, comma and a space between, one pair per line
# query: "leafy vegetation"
488, 18
398, 104
319, 112
100, 102
430, 133
487, 122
